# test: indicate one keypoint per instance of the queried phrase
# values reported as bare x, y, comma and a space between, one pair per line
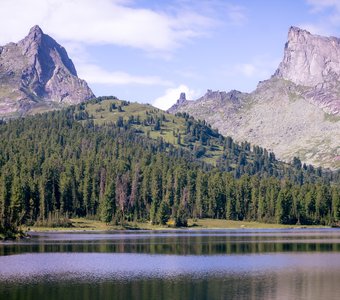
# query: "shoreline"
82, 225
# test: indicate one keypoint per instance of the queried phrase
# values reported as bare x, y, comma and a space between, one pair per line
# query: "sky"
150, 51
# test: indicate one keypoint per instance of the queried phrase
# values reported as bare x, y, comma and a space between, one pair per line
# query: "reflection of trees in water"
305, 284
182, 245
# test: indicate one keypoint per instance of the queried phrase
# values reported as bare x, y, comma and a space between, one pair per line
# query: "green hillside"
156, 124
198, 138
115, 161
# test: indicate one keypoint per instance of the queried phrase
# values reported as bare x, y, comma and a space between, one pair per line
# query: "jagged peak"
221, 96
297, 30
39, 43
33, 40
231, 93
36, 29
309, 59
211, 93
41, 70
35, 33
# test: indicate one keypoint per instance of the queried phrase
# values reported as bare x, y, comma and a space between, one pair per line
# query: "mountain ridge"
290, 116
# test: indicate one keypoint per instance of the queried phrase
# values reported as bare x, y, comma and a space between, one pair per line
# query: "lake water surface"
183, 264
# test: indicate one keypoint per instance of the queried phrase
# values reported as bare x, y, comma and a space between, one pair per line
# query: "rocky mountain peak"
37, 71
31, 43
294, 113
310, 60
295, 32
35, 33
39, 45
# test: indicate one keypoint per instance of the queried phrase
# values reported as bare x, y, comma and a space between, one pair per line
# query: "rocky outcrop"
37, 74
180, 102
294, 113
211, 101
313, 61
310, 60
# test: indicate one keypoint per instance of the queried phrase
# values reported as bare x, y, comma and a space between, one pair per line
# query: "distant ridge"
294, 113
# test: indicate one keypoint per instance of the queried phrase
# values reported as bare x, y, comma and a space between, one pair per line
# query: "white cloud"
96, 74
155, 28
171, 95
102, 22
79, 23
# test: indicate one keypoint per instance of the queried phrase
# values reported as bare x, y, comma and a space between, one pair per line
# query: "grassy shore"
82, 224
228, 224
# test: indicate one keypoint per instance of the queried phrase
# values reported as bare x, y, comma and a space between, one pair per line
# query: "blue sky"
150, 51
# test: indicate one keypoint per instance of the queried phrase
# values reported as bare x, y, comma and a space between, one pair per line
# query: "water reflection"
136, 276
181, 242
119, 266
220, 264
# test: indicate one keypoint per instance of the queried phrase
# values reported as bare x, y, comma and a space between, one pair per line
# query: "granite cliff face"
294, 113
310, 59
313, 61
36, 74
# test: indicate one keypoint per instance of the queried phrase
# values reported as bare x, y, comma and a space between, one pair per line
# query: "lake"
176, 264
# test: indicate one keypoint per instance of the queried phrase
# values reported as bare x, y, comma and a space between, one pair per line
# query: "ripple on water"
120, 266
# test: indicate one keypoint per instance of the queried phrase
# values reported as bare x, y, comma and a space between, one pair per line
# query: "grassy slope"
173, 124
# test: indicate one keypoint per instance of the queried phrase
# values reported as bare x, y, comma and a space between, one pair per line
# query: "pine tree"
108, 203
163, 213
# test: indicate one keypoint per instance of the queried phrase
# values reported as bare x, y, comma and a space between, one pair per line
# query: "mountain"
36, 74
294, 113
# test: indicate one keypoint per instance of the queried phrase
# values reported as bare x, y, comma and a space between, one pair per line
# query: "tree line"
54, 165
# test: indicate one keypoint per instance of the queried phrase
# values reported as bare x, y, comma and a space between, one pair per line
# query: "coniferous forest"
116, 161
